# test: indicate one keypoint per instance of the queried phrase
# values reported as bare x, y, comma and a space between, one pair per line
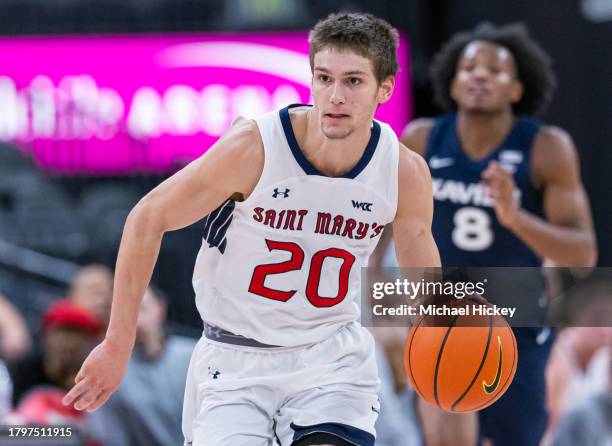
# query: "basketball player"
296, 201
507, 192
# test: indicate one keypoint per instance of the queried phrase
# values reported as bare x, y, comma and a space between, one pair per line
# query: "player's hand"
502, 188
99, 377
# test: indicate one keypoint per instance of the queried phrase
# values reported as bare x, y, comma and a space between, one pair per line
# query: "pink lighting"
122, 104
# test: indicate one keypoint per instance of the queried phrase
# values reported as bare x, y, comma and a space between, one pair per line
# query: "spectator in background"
6, 393
147, 407
581, 361
69, 334
43, 406
590, 422
92, 289
15, 339
578, 367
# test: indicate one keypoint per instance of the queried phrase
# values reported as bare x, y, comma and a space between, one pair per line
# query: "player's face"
93, 290
346, 92
65, 350
485, 80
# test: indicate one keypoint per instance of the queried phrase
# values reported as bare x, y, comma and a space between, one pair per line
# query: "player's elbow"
144, 218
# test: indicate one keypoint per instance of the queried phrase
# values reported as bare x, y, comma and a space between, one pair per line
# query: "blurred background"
102, 100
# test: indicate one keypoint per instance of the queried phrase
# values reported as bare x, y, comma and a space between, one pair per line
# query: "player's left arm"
414, 242
566, 234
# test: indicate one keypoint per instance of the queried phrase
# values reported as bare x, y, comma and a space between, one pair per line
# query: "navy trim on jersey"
348, 433
216, 224
308, 168
523, 130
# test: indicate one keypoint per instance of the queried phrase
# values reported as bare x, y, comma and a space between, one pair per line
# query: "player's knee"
321, 439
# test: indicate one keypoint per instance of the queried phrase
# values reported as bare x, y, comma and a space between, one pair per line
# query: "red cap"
68, 314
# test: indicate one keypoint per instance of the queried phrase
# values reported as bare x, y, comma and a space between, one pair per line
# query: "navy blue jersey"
467, 233
465, 227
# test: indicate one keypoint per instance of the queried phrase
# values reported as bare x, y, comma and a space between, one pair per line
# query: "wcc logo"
367, 207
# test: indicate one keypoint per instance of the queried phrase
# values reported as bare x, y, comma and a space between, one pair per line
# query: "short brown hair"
365, 34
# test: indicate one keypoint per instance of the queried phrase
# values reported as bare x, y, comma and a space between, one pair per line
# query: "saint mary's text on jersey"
326, 223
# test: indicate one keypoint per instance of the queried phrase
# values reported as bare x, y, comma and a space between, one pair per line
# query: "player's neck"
481, 133
333, 157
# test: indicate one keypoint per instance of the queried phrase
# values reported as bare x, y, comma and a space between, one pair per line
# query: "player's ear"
385, 89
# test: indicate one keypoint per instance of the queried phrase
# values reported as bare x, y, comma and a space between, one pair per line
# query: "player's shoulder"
554, 137
244, 131
236, 160
553, 153
553, 145
243, 141
414, 183
413, 171
415, 134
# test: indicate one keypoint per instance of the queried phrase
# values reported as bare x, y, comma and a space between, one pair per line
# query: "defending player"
534, 206
296, 202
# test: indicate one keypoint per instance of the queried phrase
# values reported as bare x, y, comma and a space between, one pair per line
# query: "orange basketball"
464, 366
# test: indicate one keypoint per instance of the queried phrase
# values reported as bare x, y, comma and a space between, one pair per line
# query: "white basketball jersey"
283, 267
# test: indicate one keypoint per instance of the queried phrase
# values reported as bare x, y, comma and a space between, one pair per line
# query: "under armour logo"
215, 374
212, 331
363, 206
277, 193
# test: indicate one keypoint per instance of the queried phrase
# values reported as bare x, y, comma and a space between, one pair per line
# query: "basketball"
463, 366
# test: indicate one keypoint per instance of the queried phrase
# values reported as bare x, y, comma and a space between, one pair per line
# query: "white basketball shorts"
253, 396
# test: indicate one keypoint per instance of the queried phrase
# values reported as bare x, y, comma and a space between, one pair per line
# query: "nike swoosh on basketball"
439, 163
490, 388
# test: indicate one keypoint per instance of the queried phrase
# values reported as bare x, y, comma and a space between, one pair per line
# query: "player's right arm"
232, 165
